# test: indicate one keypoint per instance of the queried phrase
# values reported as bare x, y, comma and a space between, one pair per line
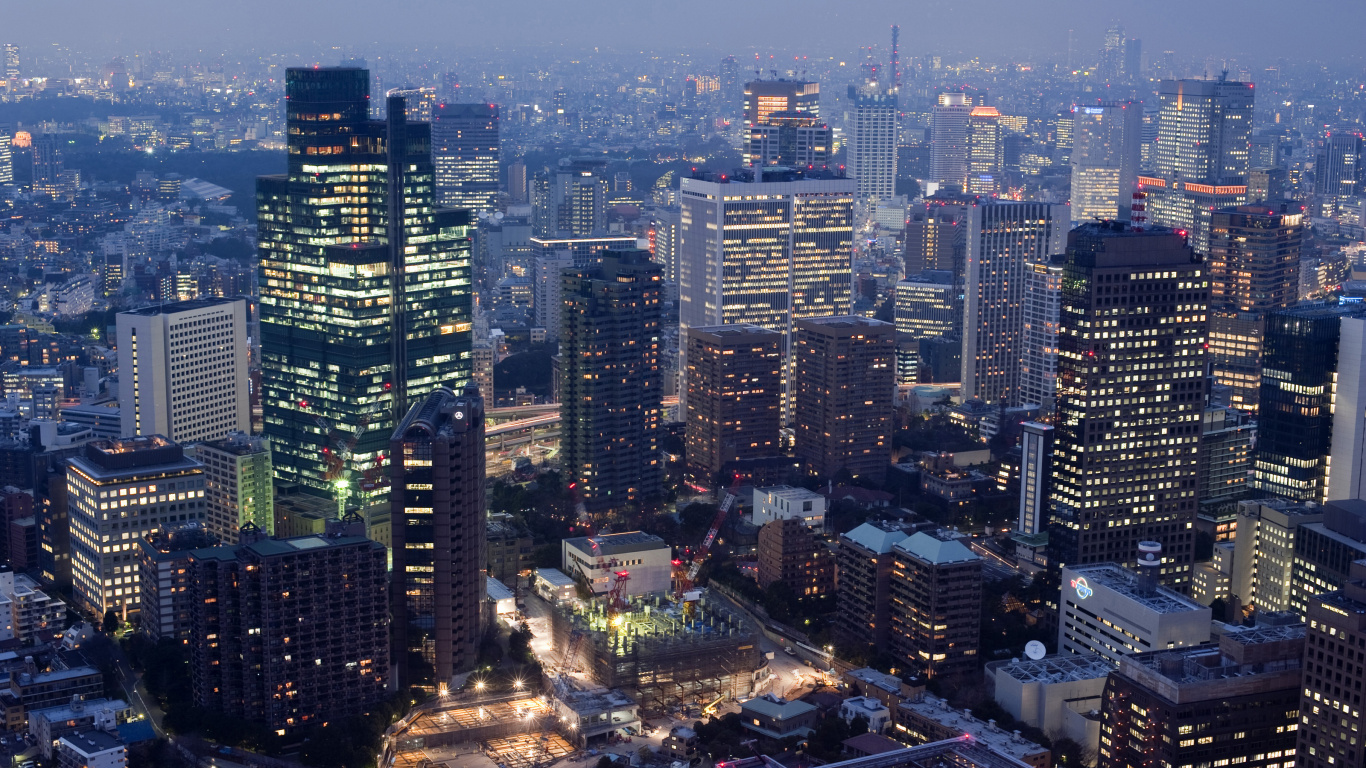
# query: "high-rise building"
1004, 239
871, 147
949, 140
1331, 719
1340, 165
6, 157
1200, 157
986, 152
11, 61
1131, 391
419, 104
1105, 158
465, 150
936, 237
863, 570
293, 632
1111, 611
734, 397
1042, 308
795, 139
936, 608
1036, 469
517, 192
611, 383
1264, 552
183, 370
1254, 269
928, 306
547, 280
164, 580
237, 485
792, 554
117, 492
1225, 456
764, 97
843, 403
437, 507
571, 201
1311, 404
1234, 700
666, 232
358, 318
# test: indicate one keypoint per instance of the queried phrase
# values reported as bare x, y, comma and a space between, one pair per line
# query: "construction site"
662, 652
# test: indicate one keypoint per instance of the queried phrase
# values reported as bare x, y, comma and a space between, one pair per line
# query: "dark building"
792, 554
291, 632
358, 319
508, 548
1131, 392
1234, 700
611, 383
863, 577
843, 395
1323, 552
439, 529
941, 360
936, 605
465, 149
1339, 168
734, 397
1330, 713
164, 580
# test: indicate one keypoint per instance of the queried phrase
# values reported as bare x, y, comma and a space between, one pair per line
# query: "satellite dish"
1035, 650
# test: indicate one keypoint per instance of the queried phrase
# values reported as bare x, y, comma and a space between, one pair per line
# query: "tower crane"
688, 579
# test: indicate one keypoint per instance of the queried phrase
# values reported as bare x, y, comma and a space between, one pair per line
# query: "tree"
111, 622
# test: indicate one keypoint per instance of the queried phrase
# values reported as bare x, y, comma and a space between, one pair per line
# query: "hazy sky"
1250, 29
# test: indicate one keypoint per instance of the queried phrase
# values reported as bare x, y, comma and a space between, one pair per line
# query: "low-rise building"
31, 690
784, 501
1108, 610
874, 712
553, 586
888, 689
509, 549
595, 713
1213, 578
1056, 694
91, 749
49, 725
27, 613
928, 719
646, 558
681, 744
778, 718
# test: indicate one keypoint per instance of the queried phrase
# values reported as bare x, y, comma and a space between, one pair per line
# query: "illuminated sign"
1083, 589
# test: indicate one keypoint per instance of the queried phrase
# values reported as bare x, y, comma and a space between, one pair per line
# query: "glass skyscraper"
359, 318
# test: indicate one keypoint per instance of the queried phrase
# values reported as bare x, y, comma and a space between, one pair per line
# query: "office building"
1339, 168
183, 370
571, 201
842, 409
611, 384
791, 553
734, 398
1042, 311
928, 306
290, 633
361, 321
117, 492
1056, 694
1325, 550
986, 152
237, 485
163, 569
1235, 700
666, 232
1264, 552
863, 578
1036, 469
11, 61
1254, 269
437, 505
1113, 612
871, 147
765, 97
1225, 455
1200, 157
1131, 391
1311, 404
1004, 239
465, 151
1330, 716
936, 236
547, 280
936, 605
949, 140
508, 548
793, 139
584, 251
1105, 157
6, 157
598, 560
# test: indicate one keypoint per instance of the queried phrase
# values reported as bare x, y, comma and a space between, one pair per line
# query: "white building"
949, 139
871, 148
1106, 144
1042, 311
1264, 551
183, 370
546, 282
91, 749
645, 558
117, 492
784, 501
1056, 694
553, 586
875, 712
237, 484
28, 613
1110, 611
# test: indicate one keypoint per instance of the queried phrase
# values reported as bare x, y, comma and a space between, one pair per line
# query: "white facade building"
238, 490
1107, 610
645, 558
784, 501
871, 148
1105, 154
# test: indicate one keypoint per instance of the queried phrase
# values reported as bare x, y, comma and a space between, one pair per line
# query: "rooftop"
555, 577
987, 734
89, 743
1059, 669
608, 544
496, 590
1125, 584
935, 550
176, 307
874, 538
962, 752
777, 709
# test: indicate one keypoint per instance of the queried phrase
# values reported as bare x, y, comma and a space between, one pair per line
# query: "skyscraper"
6, 157
1339, 166
843, 403
1042, 308
1131, 389
437, 502
571, 200
10, 68
949, 140
734, 397
1330, 718
1004, 239
986, 151
183, 370
611, 383
796, 139
928, 306
237, 485
465, 149
359, 317
1036, 468
764, 97
871, 149
666, 233
1105, 157
1254, 269
1311, 404
1200, 158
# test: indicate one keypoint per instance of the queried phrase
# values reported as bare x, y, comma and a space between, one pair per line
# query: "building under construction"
653, 650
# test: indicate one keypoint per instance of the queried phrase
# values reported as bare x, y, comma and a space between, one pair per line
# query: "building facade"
1111, 611
863, 578
733, 399
237, 485
1328, 712
465, 150
843, 406
871, 147
936, 605
1105, 156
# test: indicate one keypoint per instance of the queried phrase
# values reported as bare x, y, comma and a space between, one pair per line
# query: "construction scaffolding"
654, 652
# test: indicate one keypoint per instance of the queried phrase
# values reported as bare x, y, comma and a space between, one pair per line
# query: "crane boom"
716, 524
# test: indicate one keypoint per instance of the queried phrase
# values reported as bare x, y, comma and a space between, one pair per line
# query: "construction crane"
566, 664
338, 474
687, 580
616, 600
